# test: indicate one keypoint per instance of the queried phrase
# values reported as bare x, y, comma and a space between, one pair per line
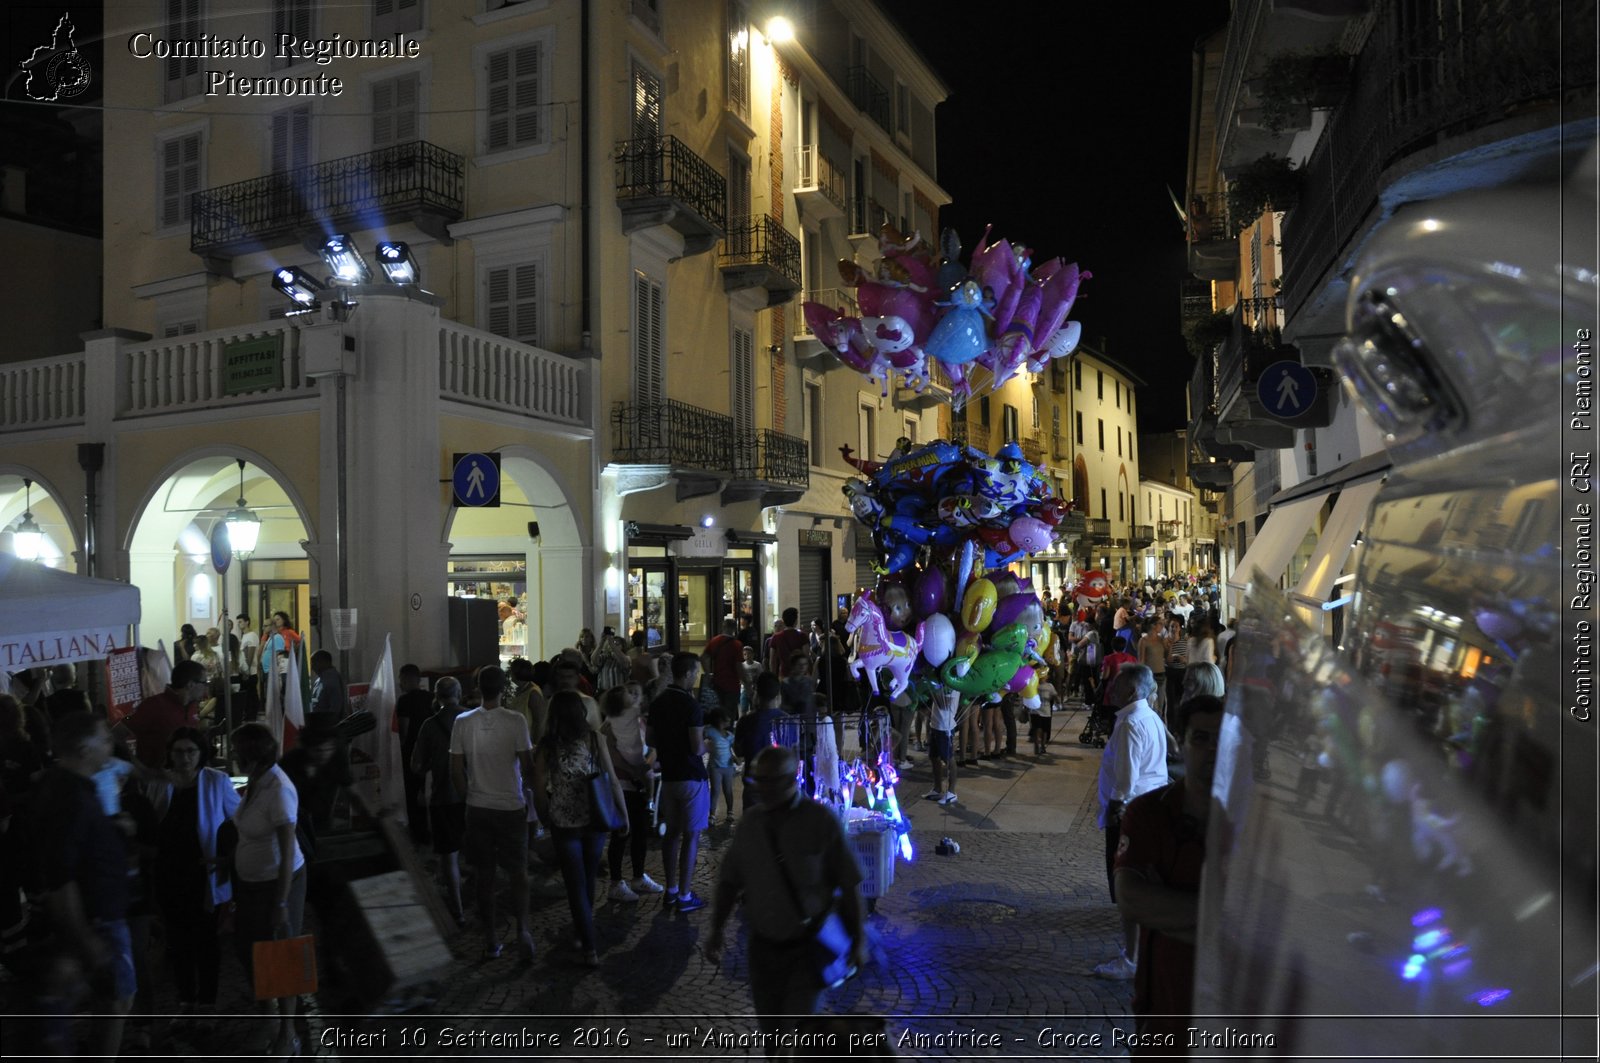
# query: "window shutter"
744, 383
499, 100
513, 302
499, 302
383, 113
527, 94
396, 16
180, 177
649, 385
646, 104
514, 103
394, 110
182, 73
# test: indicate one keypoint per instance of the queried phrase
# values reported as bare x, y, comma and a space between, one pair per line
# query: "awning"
1338, 538
1277, 541
49, 617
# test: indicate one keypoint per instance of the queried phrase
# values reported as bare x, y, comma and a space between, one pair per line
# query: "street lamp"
244, 527
28, 539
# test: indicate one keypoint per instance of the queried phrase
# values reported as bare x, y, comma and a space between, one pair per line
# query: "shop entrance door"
697, 608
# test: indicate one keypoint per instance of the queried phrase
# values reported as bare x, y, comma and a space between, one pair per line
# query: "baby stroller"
1097, 729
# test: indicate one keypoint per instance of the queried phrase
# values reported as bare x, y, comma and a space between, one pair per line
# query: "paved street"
981, 953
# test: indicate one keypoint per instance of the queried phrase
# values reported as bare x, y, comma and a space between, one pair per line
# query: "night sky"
1064, 127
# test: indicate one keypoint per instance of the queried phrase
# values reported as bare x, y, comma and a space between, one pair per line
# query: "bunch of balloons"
1001, 312
946, 520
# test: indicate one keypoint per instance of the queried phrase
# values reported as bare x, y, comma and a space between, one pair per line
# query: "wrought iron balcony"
1060, 448
1098, 530
661, 182
415, 182
867, 218
819, 186
869, 96
960, 433
693, 443
760, 253
1142, 535
1032, 450
771, 466
1168, 530
1426, 75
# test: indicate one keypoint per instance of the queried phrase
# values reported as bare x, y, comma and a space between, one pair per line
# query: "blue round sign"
221, 547
476, 479
1286, 390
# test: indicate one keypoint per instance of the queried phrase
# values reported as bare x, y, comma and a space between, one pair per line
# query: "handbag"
828, 944
285, 968
603, 811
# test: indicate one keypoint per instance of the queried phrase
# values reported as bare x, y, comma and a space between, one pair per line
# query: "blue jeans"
722, 780
579, 849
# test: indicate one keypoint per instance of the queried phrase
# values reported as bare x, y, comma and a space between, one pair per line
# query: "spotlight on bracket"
398, 265
345, 261
298, 286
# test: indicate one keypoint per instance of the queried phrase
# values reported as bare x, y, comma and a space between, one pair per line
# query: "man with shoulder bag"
791, 864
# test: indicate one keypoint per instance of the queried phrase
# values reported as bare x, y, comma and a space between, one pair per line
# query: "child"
724, 768
1039, 718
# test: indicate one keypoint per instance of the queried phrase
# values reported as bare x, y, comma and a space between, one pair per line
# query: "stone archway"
168, 539
62, 544
556, 580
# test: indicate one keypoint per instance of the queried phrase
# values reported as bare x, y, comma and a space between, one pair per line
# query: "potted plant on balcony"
1269, 183
1291, 83
1204, 333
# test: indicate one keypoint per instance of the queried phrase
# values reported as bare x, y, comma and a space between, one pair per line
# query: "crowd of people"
134, 853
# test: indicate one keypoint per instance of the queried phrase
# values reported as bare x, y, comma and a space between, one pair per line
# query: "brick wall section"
775, 320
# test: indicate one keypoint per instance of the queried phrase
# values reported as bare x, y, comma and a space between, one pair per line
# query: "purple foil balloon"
931, 593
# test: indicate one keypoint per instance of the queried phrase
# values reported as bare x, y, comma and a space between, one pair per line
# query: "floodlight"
398, 265
345, 262
297, 285
28, 539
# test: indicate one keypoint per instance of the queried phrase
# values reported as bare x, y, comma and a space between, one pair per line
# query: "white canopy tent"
49, 617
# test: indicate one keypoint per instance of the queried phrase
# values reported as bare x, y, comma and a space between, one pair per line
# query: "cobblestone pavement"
987, 952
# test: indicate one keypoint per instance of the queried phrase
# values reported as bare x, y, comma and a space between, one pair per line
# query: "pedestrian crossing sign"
476, 480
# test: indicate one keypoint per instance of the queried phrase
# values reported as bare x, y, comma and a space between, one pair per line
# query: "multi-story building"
612, 208
1313, 123
1185, 531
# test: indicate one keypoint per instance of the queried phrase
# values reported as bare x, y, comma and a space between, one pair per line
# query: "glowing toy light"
1414, 967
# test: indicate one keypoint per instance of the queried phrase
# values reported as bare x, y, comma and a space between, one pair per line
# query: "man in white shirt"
1181, 608
491, 761
1134, 762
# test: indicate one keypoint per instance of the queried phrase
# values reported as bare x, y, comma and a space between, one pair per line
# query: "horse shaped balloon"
881, 648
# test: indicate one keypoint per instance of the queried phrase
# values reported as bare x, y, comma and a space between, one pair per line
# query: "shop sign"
816, 537
252, 365
705, 542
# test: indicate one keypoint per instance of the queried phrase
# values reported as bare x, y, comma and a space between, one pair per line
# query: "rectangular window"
1103, 514
1077, 416
1119, 441
395, 110
911, 431
1118, 384
815, 422
183, 328
647, 94
649, 332
738, 59
515, 104
1133, 511
511, 302
1100, 385
902, 109
183, 77
180, 178
291, 18
983, 411
1120, 514
739, 202
743, 398
1055, 421
867, 432
1035, 398
1102, 428
1077, 379
396, 16
1008, 423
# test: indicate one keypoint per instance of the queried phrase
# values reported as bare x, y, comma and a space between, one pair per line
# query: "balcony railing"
1426, 74
1168, 530
763, 241
1141, 536
491, 371
1032, 450
416, 181
673, 433
868, 216
1098, 530
960, 433
663, 168
183, 373
1060, 448
869, 96
840, 299
819, 172
44, 393
773, 457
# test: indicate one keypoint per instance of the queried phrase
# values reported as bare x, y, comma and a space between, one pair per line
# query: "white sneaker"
646, 884
1120, 969
621, 892
949, 798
